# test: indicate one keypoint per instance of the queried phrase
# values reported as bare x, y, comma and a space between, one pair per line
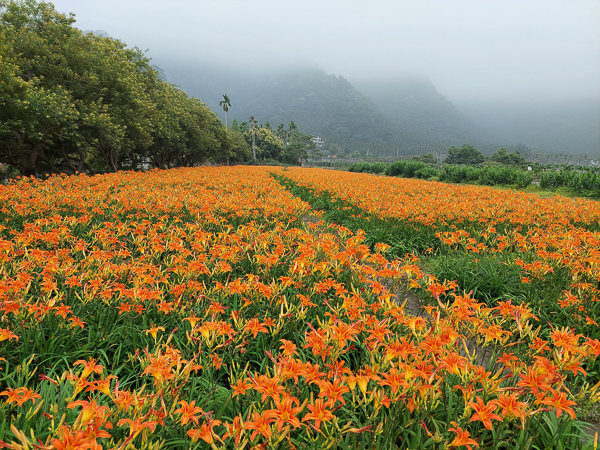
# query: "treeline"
76, 102
268, 145
71, 101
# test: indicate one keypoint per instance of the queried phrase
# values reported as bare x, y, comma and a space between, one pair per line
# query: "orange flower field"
557, 231
212, 308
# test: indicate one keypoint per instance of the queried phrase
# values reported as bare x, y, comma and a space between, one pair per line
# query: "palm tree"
225, 104
252, 121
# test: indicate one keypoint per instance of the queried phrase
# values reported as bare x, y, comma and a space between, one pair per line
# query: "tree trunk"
66, 158
80, 163
27, 166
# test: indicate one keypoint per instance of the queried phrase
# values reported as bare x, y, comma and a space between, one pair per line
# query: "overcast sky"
470, 49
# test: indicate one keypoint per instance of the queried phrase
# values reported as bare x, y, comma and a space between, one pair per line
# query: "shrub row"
487, 175
586, 182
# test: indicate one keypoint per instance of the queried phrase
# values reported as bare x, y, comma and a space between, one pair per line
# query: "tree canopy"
71, 101
288, 146
467, 154
502, 156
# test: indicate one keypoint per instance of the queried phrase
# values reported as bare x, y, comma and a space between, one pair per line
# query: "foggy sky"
470, 49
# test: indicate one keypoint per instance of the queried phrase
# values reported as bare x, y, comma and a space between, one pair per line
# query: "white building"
319, 142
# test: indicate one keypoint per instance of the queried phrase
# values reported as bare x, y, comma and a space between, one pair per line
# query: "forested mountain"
391, 116
425, 116
414, 118
321, 104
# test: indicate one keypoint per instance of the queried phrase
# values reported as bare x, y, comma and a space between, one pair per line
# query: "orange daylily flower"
137, 426
462, 438
268, 387
394, 379
20, 395
72, 440
89, 366
484, 413
318, 412
189, 412
235, 429
285, 412
534, 381
288, 348
261, 424
90, 411
255, 327
7, 335
153, 330
560, 403
240, 387
333, 391
511, 406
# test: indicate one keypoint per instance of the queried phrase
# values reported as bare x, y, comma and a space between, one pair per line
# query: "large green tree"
297, 145
467, 154
71, 101
502, 156
252, 122
240, 150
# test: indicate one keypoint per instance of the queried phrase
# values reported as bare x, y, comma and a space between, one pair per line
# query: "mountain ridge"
392, 116
332, 107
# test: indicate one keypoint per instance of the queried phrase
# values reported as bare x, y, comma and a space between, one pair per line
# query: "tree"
467, 154
240, 150
289, 146
428, 158
266, 144
72, 102
297, 146
281, 133
244, 127
225, 104
252, 121
34, 113
503, 157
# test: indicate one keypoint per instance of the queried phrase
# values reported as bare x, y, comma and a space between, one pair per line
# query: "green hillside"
332, 107
425, 116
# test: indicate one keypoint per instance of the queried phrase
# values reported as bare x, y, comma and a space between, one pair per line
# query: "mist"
492, 54
468, 48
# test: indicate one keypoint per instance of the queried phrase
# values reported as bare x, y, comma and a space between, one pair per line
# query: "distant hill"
414, 119
321, 104
425, 116
395, 116
100, 33
565, 127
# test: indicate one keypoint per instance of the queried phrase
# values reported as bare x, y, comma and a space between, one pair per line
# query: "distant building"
319, 142
144, 163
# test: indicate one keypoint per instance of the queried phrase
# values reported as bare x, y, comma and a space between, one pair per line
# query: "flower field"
540, 236
215, 308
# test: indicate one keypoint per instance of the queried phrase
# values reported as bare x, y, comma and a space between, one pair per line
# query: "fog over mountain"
500, 72
560, 126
